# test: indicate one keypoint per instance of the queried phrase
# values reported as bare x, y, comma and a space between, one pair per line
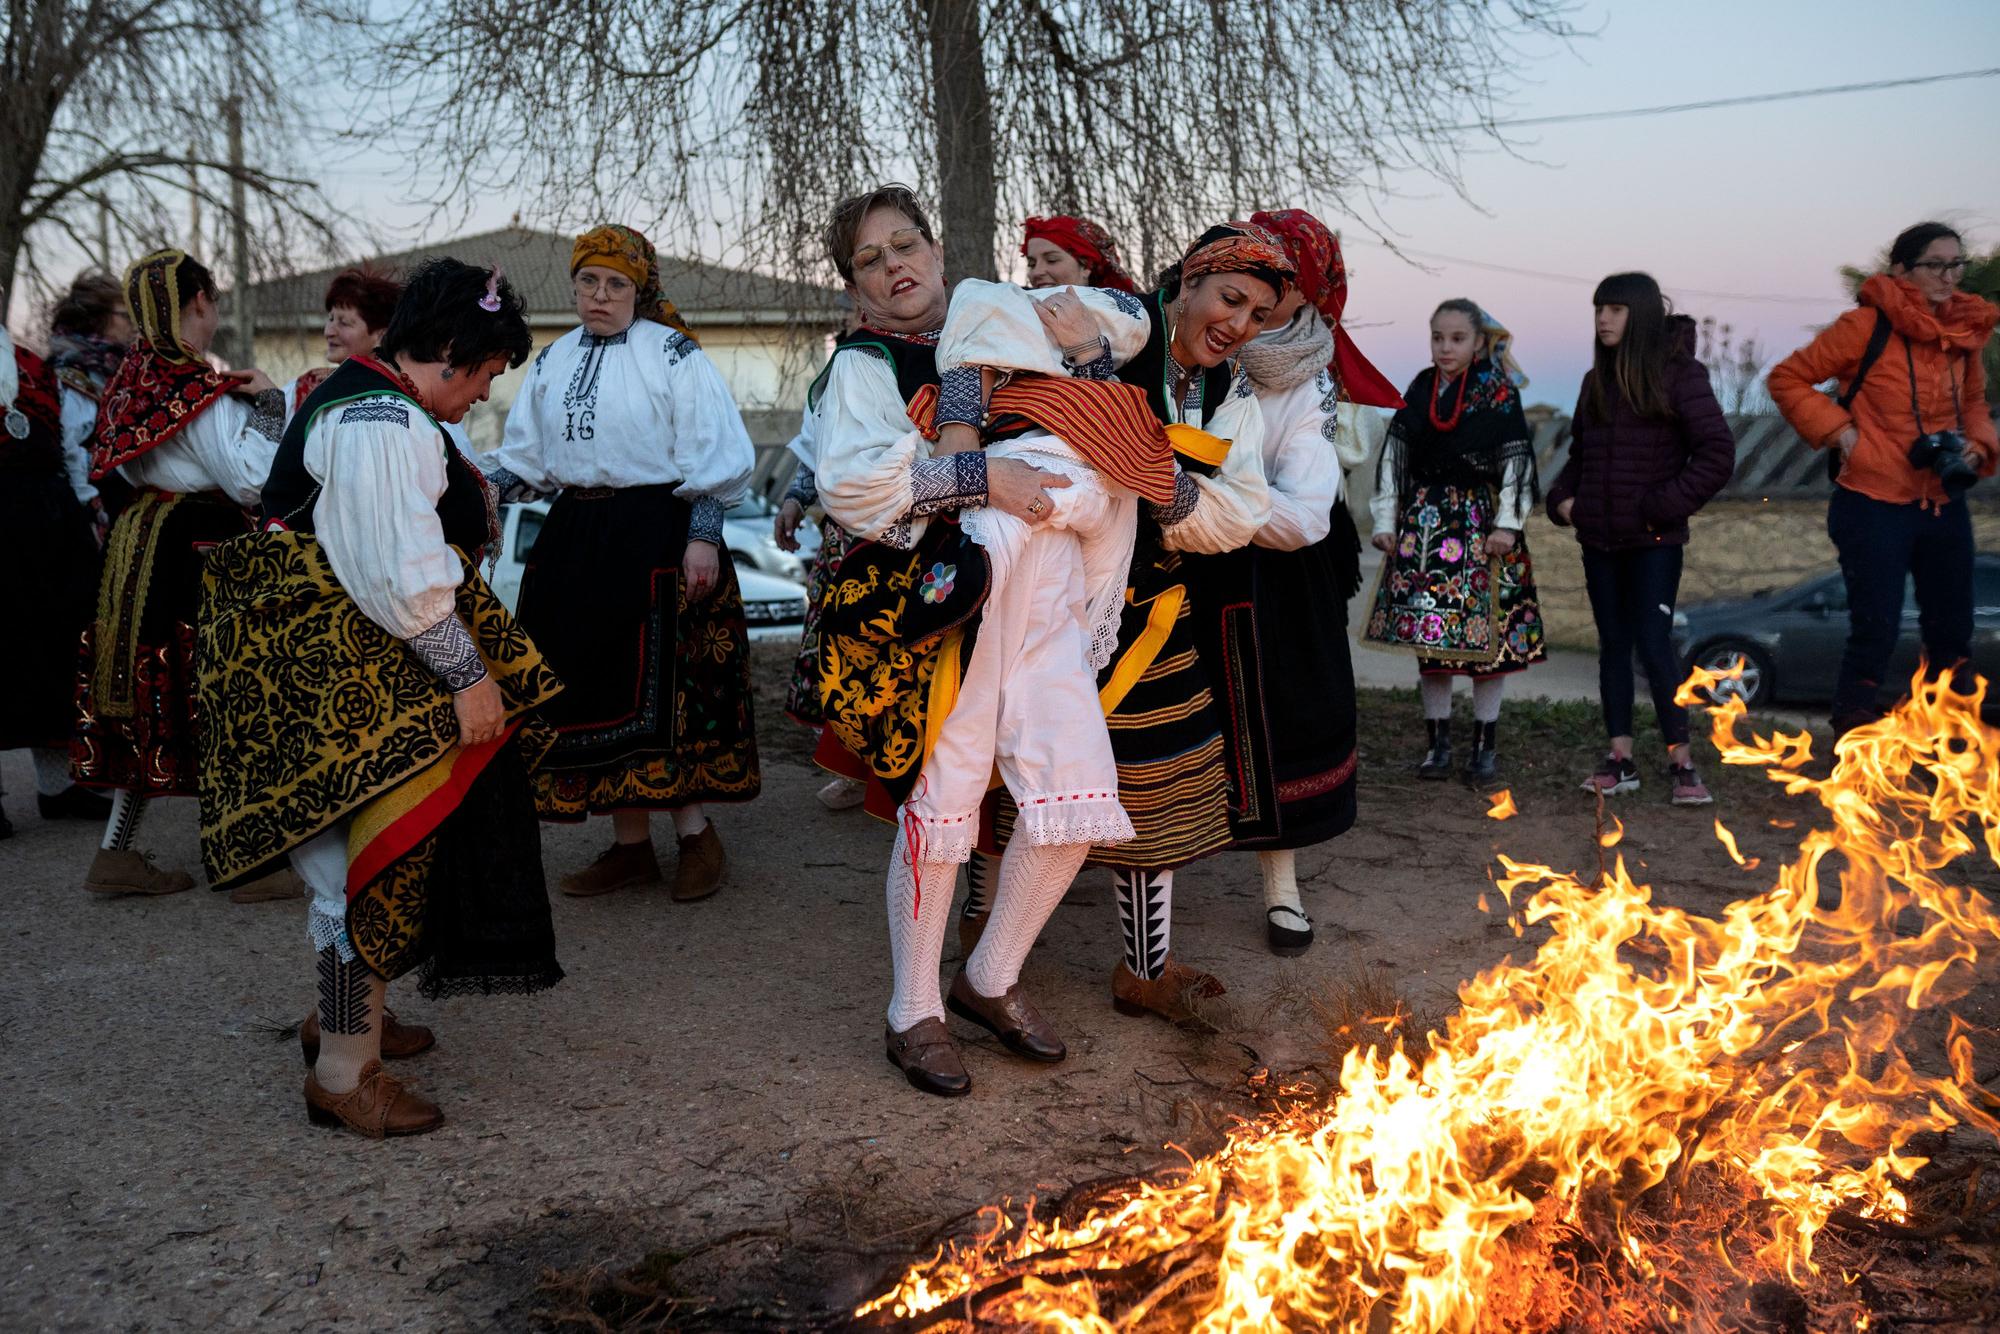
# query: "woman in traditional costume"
1292, 732
196, 443
1069, 251
1453, 490
358, 304
371, 703
986, 667
48, 585
629, 589
88, 333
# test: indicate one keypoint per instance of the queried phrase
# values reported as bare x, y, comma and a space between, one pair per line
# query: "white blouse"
994, 325
79, 420
380, 464
866, 447
1236, 502
644, 407
227, 448
1304, 430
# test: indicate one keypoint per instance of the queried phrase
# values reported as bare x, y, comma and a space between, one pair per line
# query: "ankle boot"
1437, 764
1483, 764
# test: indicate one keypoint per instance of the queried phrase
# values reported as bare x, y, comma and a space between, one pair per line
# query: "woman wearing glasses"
1912, 432
629, 590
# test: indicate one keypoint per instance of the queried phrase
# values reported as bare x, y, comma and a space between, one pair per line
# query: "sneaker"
1614, 774
1688, 789
843, 794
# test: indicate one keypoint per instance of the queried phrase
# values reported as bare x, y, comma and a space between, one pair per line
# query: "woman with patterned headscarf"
197, 444
629, 590
1067, 251
1453, 491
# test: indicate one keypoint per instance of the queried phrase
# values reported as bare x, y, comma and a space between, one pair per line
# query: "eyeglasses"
1943, 268
904, 243
611, 285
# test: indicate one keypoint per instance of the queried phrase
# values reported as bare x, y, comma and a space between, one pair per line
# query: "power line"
1750, 99
1578, 279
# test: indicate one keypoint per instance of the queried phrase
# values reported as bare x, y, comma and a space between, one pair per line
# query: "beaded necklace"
1458, 407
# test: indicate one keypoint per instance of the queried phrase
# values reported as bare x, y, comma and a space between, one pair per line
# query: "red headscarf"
1322, 279
1089, 243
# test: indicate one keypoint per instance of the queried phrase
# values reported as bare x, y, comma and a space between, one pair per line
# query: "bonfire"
1681, 1105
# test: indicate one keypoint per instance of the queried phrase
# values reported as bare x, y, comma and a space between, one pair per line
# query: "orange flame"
1503, 805
1760, 1045
1729, 846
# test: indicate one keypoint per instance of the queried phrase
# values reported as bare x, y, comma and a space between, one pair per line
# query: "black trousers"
1881, 546
1632, 600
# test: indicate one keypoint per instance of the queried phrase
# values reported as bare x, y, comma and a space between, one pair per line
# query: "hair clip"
491, 301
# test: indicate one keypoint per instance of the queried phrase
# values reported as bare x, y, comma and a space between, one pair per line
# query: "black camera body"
1943, 452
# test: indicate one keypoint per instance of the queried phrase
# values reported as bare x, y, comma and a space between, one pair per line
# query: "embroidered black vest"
290, 492
913, 359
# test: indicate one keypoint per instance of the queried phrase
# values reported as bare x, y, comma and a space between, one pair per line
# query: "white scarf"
1281, 359
10, 371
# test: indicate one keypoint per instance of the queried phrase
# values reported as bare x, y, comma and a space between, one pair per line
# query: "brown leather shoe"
378, 1107
281, 886
131, 872
1009, 1017
700, 871
621, 866
970, 929
928, 1058
400, 1041
1171, 995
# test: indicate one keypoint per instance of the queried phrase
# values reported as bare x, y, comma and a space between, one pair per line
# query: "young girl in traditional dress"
1453, 489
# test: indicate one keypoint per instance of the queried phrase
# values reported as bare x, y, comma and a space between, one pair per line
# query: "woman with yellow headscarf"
629, 590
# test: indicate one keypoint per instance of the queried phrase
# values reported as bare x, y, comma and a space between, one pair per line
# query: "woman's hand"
1068, 322
701, 567
956, 438
1846, 440
252, 381
480, 713
1496, 543
1021, 489
1563, 510
785, 528
1383, 542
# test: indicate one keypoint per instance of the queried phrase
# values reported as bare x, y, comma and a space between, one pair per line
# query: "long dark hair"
1637, 368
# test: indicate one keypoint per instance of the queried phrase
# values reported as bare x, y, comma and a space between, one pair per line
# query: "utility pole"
194, 202
246, 300
104, 235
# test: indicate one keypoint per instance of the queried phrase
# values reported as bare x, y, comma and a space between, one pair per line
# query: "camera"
1943, 452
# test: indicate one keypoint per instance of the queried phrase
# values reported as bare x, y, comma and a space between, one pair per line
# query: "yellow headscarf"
153, 295
624, 250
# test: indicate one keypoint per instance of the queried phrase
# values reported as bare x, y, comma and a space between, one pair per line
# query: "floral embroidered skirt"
655, 710
1458, 614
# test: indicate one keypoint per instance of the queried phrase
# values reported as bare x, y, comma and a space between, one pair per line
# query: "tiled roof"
537, 263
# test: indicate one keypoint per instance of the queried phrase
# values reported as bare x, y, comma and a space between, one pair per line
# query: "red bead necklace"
1457, 408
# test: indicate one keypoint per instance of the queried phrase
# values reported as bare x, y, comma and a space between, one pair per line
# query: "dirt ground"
709, 1081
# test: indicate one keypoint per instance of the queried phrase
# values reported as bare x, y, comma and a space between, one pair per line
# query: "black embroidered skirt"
48, 588
656, 710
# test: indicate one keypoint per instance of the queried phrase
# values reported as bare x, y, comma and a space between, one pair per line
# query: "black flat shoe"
1284, 940
74, 803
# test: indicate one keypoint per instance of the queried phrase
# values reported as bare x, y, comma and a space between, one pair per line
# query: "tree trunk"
968, 190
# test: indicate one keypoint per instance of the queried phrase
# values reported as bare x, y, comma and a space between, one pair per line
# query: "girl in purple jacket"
1648, 447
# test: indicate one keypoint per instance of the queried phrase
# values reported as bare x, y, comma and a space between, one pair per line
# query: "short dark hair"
93, 297
845, 224
1910, 244
192, 279
370, 294
1461, 305
439, 318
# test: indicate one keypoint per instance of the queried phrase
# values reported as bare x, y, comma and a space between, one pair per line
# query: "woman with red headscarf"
1064, 251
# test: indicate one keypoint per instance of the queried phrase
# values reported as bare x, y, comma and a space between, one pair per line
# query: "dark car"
1791, 639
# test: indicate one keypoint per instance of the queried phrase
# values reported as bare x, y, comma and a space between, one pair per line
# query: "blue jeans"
1632, 600
1882, 545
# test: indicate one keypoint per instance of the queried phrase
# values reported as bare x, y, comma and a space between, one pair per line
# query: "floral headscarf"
624, 250
1240, 247
1089, 243
163, 384
1322, 280
1499, 348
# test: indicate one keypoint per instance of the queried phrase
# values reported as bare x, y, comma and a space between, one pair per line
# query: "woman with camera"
1912, 433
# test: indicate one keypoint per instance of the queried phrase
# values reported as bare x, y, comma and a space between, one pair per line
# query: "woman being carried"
1455, 485
394, 773
629, 589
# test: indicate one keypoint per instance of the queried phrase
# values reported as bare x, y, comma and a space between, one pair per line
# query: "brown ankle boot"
130, 872
400, 1041
1171, 995
700, 871
621, 866
379, 1106
281, 886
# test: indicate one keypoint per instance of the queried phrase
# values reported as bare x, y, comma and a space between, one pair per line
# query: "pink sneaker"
1688, 788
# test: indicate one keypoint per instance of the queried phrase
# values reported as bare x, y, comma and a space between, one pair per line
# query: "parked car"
746, 529
775, 608
1791, 639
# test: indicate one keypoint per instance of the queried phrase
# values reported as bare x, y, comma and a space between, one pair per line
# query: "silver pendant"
17, 423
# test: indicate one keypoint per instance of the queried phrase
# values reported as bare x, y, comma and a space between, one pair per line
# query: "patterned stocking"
1145, 916
919, 907
127, 807
52, 777
1033, 881
350, 1020
978, 886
